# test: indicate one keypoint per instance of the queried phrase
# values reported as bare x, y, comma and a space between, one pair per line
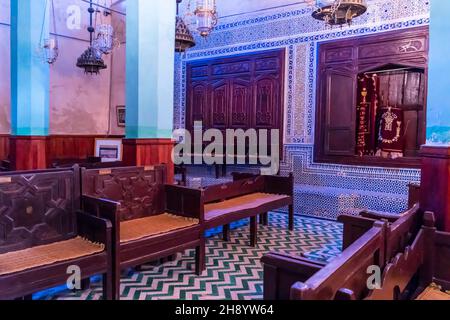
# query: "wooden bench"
89, 163
356, 226
247, 198
43, 233
150, 219
291, 277
410, 253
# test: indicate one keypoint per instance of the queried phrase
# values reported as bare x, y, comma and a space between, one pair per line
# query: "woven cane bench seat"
151, 226
251, 201
17, 261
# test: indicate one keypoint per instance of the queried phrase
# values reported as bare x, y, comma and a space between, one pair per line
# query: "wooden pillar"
28, 152
435, 184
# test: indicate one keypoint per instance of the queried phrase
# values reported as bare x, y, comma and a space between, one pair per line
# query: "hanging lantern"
206, 13
48, 47
91, 60
203, 19
183, 36
105, 40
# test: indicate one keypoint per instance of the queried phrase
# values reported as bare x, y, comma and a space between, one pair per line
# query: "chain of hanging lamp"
91, 59
49, 47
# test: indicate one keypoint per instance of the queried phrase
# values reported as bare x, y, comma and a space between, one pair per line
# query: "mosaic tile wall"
324, 190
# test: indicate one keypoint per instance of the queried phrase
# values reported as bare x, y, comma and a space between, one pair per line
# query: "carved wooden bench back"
346, 276
38, 208
233, 189
139, 190
402, 232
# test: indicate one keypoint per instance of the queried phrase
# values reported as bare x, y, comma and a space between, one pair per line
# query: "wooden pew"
90, 163
247, 198
356, 226
151, 220
411, 256
289, 277
233, 201
263, 218
44, 233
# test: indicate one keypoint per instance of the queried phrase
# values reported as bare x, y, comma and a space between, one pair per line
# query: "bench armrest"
379, 216
281, 272
104, 209
100, 207
354, 228
185, 202
279, 185
93, 228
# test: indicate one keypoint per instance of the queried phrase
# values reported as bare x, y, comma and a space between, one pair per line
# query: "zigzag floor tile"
234, 270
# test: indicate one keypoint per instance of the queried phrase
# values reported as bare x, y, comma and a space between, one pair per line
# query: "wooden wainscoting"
56, 147
4, 146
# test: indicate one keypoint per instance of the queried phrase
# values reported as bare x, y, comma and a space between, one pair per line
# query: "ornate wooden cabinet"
344, 133
240, 92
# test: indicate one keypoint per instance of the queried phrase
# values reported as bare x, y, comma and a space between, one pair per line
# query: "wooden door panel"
198, 105
340, 100
239, 92
267, 92
220, 104
241, 104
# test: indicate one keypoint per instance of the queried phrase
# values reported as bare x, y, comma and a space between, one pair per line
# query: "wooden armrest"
354, 228
100, 207
379, 216
185, 202
94, 228
282, 271
280, 185
294, 264
357, 220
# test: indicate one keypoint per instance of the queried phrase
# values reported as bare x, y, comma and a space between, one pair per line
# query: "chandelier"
183, 36
337, 12
105, 40
91, 60
203, 19
48, 47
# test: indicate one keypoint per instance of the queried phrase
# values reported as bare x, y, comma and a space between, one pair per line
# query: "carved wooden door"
241, 99
198, 105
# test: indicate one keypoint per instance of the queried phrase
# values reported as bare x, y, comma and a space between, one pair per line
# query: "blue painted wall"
30, 75
438, 120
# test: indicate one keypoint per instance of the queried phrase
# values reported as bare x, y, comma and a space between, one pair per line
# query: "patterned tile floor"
234, 270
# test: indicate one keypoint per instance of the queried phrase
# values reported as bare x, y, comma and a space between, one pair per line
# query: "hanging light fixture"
183, 36
91, 60
338, 12
204, 17
105, 40
48, 47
